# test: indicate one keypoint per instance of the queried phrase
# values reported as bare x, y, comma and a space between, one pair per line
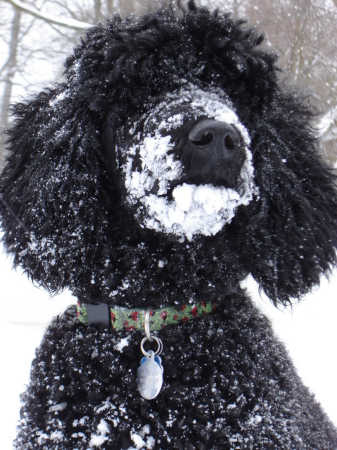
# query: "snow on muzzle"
190, 188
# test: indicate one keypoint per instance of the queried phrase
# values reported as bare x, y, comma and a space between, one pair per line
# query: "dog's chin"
165, 200
190, 210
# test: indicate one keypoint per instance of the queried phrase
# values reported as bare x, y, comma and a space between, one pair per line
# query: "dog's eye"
205, 139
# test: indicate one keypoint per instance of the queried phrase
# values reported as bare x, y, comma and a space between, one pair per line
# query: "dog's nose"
214, 155
218, 140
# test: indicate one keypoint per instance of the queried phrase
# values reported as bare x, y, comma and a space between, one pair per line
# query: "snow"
59, 407
138, 439
309, 332
56, 436
326, 122
99, 438
122, 343
94, 354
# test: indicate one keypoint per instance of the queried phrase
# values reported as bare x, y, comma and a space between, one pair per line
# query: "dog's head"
173, 156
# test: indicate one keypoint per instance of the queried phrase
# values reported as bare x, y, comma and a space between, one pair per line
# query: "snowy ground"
309, 332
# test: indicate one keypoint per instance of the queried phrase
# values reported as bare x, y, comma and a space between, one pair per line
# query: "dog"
170, 165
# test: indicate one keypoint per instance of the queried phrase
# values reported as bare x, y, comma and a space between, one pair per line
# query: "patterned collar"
119, 318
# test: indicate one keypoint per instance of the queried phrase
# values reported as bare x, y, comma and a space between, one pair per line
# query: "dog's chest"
210, 375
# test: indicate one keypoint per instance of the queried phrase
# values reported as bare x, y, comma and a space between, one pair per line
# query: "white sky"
309, 332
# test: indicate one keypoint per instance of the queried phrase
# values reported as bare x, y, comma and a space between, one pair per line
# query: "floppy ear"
289, 236
55, 190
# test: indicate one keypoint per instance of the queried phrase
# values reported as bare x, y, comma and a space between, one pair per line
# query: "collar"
124, 319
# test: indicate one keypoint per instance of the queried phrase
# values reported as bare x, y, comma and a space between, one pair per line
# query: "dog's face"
139, 170
186, 164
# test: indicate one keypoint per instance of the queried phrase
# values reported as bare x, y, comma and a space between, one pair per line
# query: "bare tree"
31, 62
69, 23
304, 33
8, 73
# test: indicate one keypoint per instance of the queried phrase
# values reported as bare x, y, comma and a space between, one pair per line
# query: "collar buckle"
98, 314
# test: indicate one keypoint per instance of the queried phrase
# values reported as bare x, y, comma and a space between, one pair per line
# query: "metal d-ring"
159, 349
147, 324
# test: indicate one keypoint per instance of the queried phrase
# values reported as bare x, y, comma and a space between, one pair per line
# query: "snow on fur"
194, 209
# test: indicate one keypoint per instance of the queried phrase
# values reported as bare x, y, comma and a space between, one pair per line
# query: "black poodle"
169, 166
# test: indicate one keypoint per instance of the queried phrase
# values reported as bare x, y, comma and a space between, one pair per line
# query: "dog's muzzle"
187, 165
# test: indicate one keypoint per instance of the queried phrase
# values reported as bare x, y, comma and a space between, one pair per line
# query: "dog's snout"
218, 140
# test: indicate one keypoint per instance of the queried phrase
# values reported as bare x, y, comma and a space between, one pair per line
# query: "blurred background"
35, 38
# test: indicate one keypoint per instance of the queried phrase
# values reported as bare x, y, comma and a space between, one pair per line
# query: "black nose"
214, 154
218, 140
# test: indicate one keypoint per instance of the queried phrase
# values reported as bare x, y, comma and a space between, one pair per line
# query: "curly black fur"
228, 383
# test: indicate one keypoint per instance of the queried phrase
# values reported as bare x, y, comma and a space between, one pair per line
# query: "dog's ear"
289, 236
55, 189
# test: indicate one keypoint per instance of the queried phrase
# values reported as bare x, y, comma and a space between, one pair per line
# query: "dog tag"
150, 376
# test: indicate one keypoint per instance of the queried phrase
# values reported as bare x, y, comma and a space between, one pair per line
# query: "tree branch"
69, 23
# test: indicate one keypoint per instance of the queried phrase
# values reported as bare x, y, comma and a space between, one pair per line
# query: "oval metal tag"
150, 376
